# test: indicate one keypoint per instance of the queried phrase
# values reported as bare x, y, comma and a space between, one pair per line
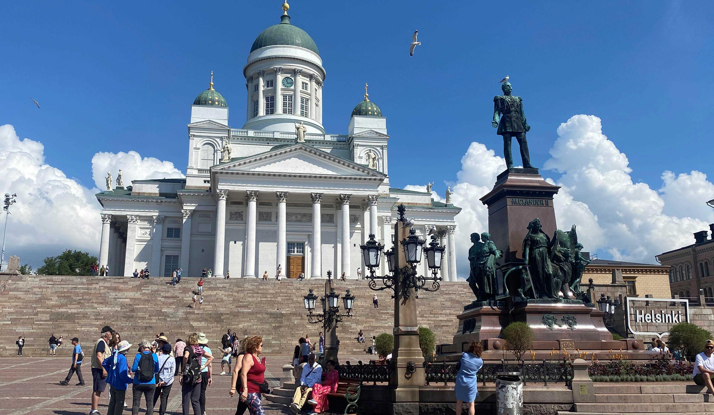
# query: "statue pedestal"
518, 197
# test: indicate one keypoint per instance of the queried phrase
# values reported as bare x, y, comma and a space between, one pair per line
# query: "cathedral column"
296, 92
220, 252
156, 246
316, 235
130, 245
261, 93
386, 241
249, 106
452, 252
345, 199
250, 227
313, 98
427, 238
186, 241
338, 246
278, 97
104, 247
445, 276
373, 223
282, 232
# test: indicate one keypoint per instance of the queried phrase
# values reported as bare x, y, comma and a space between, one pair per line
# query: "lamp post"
330, 315
9, 201
608, 307
407, 375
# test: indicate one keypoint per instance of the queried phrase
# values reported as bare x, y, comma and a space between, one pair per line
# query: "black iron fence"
554, 372
372, 372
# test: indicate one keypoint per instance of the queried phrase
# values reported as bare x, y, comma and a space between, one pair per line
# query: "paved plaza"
29, 385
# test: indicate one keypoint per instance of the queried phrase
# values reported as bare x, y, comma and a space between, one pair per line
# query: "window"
206, 156
305, 86
631, 290
706, 269
171, 264
304, 107
701, 270
686, 294
287, 104
255, 88
255, 108
173, 232
295, 248
269, 105
689, 272
711, 292
269, 83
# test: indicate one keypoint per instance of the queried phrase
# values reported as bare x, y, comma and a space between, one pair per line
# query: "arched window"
689, 271
681, 294
706, 268
671, 275
206, 156
687, 294
701, 270
711, 292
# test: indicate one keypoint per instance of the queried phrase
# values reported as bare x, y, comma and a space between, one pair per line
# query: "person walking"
118, 378
195, 298
100, 353
343, 277
20, 344
465, 388
191, 379
178, 275
173, 276
239, 353
375, 301
167, 370
145, 367
204, 273
252, 375
226, 361
311, 374
321, 343
206, 371
304, 350
200, 286
179, 347
209, 273
53, 345
265, 276
102, 271
77, 357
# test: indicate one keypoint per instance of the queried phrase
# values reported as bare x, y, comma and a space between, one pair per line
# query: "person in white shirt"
167, 370
704, 367
311, 374
660, 347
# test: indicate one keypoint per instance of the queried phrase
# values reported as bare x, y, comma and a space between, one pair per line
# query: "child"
194, 300
226, 361
200, 286
200, 302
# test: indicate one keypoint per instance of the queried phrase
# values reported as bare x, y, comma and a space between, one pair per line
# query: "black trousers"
204, 385
72, 370
190, 398
116, 402
19, 350
162, 392
148, 391
242, 406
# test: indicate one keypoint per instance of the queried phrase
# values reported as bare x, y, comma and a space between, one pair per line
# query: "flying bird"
503, 80
36, 103
414, 43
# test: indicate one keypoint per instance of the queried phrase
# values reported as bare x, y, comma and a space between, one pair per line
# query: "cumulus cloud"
133, 166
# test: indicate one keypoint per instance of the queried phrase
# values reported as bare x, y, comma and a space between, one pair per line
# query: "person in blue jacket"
117, 377
144, 383
465, 387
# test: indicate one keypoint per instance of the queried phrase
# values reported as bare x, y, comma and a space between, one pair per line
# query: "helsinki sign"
655, 316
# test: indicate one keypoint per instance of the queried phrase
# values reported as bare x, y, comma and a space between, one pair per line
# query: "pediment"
298, 160
208, 124
370, 133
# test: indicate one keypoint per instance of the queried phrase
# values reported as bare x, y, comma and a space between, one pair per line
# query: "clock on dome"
288, 82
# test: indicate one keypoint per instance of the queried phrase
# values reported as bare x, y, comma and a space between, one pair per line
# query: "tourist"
704, 367
77, 357
101, 351
252, 376
374, 344
206, 369
53, 345
301, 276
311, 374
204, 273
375, 301
226, 360
191, 379
309, 343
167, 370
200, 286
321, 343
59, 342
146, 365
227, 339
178, 275
265, 276
228, 274
102, 271
173, 276
106, 271
238, 353
344, 277
304, 350
465, 387
136, 273
296, 356
195, 298
146, 273
360, 336
20, 344
359, 273
200, 302
660, 347
320, 390
179, 346
653, 343
279, 273
161, 340
118, 378
209, 273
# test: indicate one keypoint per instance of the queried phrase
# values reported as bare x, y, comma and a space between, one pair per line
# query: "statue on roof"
120, 180
371, 159
300, 131
448, 195
109, 182
509, 118
428, 187
226, 156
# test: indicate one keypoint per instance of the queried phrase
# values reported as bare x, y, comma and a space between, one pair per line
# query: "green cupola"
367, 107
210, 97
284, 34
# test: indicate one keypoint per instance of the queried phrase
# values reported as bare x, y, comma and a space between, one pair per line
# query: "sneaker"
64, 383
312, 402
125, 405
80, 384
295, 408
223, 373
94, 412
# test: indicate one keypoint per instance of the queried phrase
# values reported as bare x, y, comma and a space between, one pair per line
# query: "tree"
384, 343
427, 341
519, 338
25, 269
688, 338
68, 263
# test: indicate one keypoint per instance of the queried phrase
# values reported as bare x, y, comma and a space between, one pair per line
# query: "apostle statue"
475, 254
300, 131
448, 195
561, 262
371, 159
226, 156
537, 259
489, 255
109, 181
428, 187
120, 180
510, 119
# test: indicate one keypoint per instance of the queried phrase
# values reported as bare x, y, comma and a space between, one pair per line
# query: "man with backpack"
145, 367
117, 377
77, 358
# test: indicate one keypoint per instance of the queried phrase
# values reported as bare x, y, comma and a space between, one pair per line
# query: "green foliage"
616, 336
518, 337
639, 378
688, 338
68, 263
384, 343
25, 269
427, 341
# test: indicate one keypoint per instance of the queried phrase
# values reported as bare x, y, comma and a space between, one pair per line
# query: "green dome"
284, 34
367, 108
211, 98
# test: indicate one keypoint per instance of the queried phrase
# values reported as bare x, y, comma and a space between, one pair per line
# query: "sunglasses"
709, 347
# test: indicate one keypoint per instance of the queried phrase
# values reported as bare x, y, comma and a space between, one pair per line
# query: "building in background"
629, 279
692, 267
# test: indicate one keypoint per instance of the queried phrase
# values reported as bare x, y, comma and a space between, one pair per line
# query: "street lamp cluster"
607, 306
330, 305
9, 201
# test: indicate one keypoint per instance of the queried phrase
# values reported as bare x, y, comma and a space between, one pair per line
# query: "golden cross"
211, 86
366, 95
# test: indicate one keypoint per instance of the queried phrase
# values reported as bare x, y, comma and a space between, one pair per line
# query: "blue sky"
121, 76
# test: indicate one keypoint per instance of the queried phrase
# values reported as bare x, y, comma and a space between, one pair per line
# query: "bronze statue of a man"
489, 255
475, 254
510, 119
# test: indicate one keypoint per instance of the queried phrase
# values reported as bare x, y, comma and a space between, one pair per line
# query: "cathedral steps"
37, 306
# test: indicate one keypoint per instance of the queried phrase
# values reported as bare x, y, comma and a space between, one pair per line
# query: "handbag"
156, 376
264, 387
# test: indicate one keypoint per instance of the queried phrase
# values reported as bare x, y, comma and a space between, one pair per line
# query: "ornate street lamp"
348, 301
9, 201
371, 252
391, 260
330, 306
310, 300
606, 306
413, 247
434, 254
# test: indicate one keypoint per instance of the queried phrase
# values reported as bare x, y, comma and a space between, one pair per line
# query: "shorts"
98, 382
53, 346
699, 380
227, 359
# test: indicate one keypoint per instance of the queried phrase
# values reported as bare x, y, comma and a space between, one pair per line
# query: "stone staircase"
648, 398
37, 306
283, 394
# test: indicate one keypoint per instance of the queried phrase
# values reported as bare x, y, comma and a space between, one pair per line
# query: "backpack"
146, 368
192, 372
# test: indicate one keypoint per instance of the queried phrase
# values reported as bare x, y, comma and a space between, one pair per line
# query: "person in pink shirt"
178, 353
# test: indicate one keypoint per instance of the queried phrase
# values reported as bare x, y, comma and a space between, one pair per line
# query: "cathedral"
279, 194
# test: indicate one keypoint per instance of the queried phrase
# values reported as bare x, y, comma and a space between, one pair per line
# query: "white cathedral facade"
279, 192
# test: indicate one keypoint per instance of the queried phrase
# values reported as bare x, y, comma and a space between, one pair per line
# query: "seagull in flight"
503, 80
36, 103
414, 43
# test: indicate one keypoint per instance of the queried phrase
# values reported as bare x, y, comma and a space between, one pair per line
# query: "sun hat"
123, 346
163, 339
202, 339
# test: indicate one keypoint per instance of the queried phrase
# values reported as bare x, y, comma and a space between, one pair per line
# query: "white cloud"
133, 168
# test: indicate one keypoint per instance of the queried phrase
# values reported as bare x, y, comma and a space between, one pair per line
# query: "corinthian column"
156, 245
185, 241
346, 244
220, 252
282, 231
452, 252
316, 235
250, 227
278, 97
131, 228
261, 94
373, 224
104, 247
